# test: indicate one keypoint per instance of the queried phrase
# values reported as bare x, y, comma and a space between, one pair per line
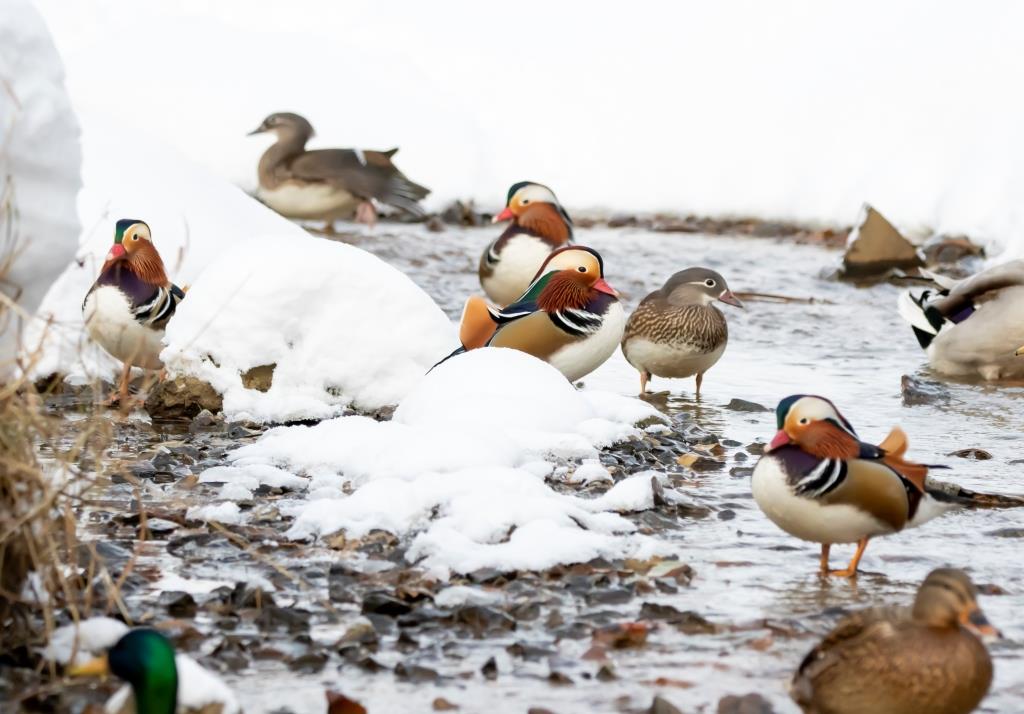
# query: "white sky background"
782, 109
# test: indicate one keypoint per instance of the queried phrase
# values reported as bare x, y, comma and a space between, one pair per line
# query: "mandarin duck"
129, 305
329, 184
677, 331
819, 482
928, 658
569, 316
972, 326
159, 682
539, 226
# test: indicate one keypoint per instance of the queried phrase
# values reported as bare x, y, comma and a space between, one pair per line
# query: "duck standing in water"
677, 331
819, 482
569, 316
929, 658
538, 226
129, 305
329, 184
971, 327
159, 682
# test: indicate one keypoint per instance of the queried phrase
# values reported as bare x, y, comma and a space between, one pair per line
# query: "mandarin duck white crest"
819, 482
159, 682
928, 658
569, 316
677, 331
973, 326
329, 184
129, 305
539, 226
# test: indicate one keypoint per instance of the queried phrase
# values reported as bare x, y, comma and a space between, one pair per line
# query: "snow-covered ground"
784, 109
40, 161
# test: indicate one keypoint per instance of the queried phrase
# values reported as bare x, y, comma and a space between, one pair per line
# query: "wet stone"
756, 448
972, 454
686, 621
178, 604
308, 663
605, 674
381, 603
528, 652
490, 669
415, 673
726, 514
742, 405
274, 617
440, 704
660, 705
731, 443
559, 679
916, 391
482, 620
361, 633
747, 704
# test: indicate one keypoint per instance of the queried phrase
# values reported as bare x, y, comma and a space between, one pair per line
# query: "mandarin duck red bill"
819, 482
132, 300
677, 331
538, 225
569, 316
898, 660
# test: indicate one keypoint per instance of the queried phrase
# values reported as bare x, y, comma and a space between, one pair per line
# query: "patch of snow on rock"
76, 644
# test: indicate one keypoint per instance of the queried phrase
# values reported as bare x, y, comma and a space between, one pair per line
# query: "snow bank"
787, 109
341, 326
77, 644
39, 166
460, 469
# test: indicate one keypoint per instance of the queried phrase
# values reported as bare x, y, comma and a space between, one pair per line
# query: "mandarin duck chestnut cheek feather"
928, 658
128, 307
677, 331
569, 316
329, 184
819, 482
539, 225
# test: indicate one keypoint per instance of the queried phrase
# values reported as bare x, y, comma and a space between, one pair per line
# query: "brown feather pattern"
544, 221
145, 262
700, 326
564, 291
827, 441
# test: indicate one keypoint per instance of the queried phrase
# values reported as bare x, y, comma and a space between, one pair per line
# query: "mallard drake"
569, 316
539, 226
131, 302
819, 482
159, 682
928, 658
972, 326
677, 331
329, 184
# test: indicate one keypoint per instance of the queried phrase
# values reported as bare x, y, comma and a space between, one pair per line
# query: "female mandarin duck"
677, 331
329, 184
819, 482
973, 326
159, 682
129, 305
569, 316
539, 226
895, 661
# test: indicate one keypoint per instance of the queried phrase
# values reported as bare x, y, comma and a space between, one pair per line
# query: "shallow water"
758, 585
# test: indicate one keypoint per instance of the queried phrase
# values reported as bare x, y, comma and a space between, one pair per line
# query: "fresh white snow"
76, 644
40, 160
461, 468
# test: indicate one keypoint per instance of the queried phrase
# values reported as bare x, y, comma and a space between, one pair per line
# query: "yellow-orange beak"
505, 215
974, 620
1020, 351
98, 667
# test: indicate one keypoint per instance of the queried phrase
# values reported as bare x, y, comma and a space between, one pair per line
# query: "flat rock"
875, 247
916, 391
742, 405
747, 704
182, 397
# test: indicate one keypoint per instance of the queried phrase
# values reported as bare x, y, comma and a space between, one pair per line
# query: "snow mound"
77, 644
340, 325
461, 469
40, 160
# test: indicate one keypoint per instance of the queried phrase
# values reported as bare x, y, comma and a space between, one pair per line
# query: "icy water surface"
755, 604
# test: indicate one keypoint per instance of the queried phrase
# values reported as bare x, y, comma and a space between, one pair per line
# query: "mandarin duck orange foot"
569, 316
539, 226
329, 184
928, 658
819, 482
973, 326
677, 331
131, 302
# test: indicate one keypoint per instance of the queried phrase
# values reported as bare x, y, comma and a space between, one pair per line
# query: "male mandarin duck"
972, 326
677, 331
329, 184
159, 682
928, 658
819, 482
129, 305
569, 316
539, 226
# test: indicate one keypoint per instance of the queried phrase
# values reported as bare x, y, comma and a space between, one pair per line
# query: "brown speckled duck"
928, 658
329, 184
677, 331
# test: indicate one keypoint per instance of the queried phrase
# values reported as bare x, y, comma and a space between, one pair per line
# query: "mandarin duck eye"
582, 269
135, 236
525, 201
710, 283
805, 420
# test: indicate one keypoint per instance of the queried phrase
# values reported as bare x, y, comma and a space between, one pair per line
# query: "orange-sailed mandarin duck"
539, 225
569, 316
819, 482
677, 331
898, 660
129, 305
